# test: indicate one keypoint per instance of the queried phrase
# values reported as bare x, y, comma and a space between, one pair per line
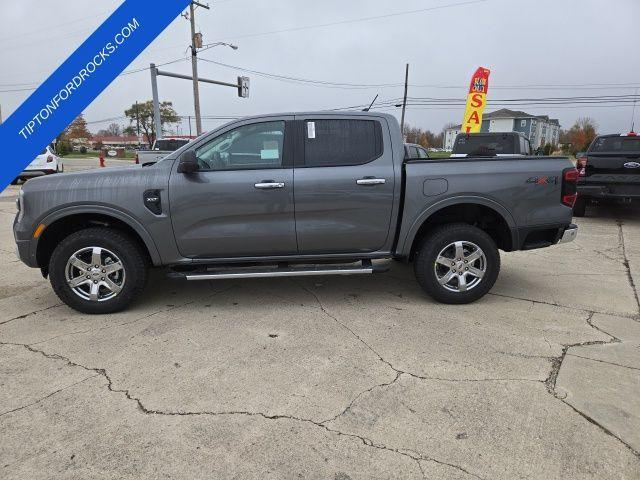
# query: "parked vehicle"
609, 171
412, 150
161, 148
47, 163
490, 144
292, 195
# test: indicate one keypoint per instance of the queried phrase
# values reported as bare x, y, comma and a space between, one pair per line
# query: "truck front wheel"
457, 263
98, 270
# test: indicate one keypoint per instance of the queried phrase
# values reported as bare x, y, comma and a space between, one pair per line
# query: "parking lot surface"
336, 378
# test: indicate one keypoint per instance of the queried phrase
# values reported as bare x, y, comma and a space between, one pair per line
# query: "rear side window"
616, 144
473, 144
337, 143
170, 145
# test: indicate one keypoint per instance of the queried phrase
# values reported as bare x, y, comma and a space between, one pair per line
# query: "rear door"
344, 184
240, 202
614, 161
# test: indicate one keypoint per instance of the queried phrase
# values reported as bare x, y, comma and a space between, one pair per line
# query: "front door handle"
371, 181
269, 185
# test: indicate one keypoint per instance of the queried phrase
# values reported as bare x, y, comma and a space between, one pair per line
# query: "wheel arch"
484, 213
62, 223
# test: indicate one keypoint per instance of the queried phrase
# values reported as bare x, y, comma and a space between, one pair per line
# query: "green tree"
129, 131
142, 112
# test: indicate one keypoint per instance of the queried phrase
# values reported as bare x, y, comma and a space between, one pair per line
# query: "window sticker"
269, 154
311, 129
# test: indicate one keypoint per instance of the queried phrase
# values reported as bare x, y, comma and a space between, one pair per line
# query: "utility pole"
194, 65
404, 101
137, 123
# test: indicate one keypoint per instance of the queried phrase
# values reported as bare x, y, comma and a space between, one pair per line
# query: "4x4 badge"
543, 180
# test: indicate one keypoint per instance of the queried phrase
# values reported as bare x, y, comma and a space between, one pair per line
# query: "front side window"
334, 143
250, 147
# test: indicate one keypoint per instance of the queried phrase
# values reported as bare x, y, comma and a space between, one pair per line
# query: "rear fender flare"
405, 248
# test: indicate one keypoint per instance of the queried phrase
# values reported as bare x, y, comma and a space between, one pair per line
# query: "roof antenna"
633, 113
369, 107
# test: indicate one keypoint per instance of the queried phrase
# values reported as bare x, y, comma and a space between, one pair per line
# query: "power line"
304, 80
357, 20
125, 73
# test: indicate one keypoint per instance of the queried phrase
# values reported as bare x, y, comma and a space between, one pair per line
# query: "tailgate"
613, 163
621, 173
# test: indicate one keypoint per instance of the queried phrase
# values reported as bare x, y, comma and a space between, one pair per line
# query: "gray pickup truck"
291, 195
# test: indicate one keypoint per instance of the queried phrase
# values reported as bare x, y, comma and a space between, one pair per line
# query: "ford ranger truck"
609, 171
292, 195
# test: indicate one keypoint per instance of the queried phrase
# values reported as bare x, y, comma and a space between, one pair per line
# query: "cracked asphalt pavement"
334, 378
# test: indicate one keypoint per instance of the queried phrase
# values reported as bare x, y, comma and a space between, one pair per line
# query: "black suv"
610, 171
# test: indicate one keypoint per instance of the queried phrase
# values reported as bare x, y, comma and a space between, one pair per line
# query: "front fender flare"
110, 212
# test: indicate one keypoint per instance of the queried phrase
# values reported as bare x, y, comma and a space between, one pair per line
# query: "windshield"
616, 144
169, 145
471, 144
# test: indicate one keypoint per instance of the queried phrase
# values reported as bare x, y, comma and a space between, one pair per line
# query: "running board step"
317, 270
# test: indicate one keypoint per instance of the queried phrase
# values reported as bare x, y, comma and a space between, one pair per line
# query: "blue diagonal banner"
80, 79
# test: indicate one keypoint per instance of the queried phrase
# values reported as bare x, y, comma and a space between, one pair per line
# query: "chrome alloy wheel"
95, 274
460, 266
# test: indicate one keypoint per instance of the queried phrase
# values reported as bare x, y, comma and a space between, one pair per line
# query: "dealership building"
539, 129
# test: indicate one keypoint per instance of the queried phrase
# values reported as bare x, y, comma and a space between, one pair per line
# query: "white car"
44, 164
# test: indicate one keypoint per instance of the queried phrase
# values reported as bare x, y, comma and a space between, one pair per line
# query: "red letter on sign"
474, 118
476, 100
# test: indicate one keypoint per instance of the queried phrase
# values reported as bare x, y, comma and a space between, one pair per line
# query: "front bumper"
569, 234
36, 173
25, 244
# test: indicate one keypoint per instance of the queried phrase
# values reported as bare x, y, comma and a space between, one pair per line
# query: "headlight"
20, 205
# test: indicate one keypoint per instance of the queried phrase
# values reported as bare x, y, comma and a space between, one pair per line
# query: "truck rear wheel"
98, 270
457, 263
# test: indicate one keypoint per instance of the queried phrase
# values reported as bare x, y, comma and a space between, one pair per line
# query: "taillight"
50, 159
569, 186
581, 165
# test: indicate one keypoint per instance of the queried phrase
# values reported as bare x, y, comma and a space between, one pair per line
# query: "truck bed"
525, 190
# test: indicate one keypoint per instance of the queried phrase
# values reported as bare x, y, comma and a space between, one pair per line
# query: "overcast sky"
533, 43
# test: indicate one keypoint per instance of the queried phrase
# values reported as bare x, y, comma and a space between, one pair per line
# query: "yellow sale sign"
476, 101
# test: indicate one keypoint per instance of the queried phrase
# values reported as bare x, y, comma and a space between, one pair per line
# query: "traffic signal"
243, 87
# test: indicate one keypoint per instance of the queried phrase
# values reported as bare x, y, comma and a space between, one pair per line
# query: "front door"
240, 201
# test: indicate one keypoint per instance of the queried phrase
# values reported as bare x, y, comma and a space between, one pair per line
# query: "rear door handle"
371, 181
269, 185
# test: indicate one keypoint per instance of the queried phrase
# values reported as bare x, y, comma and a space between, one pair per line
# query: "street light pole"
156, 102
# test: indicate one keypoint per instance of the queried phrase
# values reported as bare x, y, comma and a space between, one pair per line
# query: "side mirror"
188, 162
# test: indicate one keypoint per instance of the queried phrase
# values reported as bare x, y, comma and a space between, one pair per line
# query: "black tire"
580, 207
129, 253
425, 263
